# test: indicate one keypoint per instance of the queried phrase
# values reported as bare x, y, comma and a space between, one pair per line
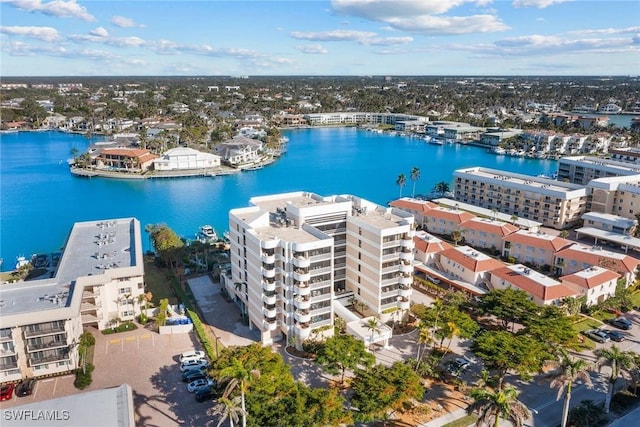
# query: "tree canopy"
342, 352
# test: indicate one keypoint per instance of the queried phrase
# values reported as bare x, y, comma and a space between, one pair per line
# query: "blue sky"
339, 37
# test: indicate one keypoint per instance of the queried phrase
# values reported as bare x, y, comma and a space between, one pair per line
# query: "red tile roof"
432, 245
527, 283
537, 240
453, 215
588, 280
494, 227
620, 263
413, 205
463, 256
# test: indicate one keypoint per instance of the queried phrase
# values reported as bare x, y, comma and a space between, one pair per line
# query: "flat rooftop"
92, 248
532, 183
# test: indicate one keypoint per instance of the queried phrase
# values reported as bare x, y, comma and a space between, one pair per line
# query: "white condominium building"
582, 169
555, 204
98, 279
294, 255
357, 117
618, 195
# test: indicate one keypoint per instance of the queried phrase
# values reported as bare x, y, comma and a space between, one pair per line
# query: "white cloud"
362, 37
540, 4
122, 22
628, 30
423, 16
47, 34
99, 32
312, 49
58, 8
126, 42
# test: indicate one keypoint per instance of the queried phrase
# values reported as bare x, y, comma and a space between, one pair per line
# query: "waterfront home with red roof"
467, 264
444, 221
542, 289
536, 248
125, 159
578, 257
427, 246
414, 206
486, 233
596, 283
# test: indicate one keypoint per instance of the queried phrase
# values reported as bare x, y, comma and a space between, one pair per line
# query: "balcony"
269, 311
303, 330
268, 286
269, 273
301, 262
405, 279
407, 243
44, 330
406, 268
301, 275
302, 303
405, 291
270, 324
47, 359
4, 352
50, 344
406, 255
404, 303
302, 316
301, 288
269, 299
6, 336
5, 366
268, 258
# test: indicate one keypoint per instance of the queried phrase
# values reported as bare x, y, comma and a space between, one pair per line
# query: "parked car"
25, 388
193, 364
198, 384
189, 372
597, 335
622, 323
207, 393
614, 335
191, 355
6, 391
433, 279
193, 375
457, 366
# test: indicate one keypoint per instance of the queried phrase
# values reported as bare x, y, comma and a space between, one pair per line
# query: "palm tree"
457, 236
621, 362
424, 337
415, 176
401, 181
228, 409
372, 326
240, 378
568, 370
442, 188
491, 406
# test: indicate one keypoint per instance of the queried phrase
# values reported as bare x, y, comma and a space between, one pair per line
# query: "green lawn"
157, 282
466, 421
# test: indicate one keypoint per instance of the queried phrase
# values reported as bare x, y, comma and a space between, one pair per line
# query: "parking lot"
148, 362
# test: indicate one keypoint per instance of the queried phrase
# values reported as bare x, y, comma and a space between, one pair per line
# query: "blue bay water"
40, 200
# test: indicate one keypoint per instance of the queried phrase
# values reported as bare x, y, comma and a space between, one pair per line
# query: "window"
126, 290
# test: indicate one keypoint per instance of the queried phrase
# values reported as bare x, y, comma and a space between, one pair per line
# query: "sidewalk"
446, 418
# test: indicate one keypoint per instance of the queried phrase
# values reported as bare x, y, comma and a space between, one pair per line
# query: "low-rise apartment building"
294, 255
608, 222
98, 280
618, 196
554, 203
467, 264
543, 289
357, 117
535, 248
579, 257
486, 233
595, 283
626, 155
428, 246
444, 221
417, 208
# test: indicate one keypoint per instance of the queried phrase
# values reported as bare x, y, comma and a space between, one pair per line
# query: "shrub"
83, 377
143, 319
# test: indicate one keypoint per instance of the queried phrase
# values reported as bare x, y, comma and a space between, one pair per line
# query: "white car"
192, 364
191, 355
198, 384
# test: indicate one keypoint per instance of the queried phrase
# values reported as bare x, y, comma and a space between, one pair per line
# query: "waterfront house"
486, 233
535, 248
239, 151
184, 158
542, 289
595, 283
579, 257
125, 159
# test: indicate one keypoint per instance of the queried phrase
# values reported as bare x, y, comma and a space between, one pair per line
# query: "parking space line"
130, 338
55, 385
114, 341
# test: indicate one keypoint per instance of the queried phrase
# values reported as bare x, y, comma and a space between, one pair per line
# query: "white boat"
436, 141
21, 261
207, 232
